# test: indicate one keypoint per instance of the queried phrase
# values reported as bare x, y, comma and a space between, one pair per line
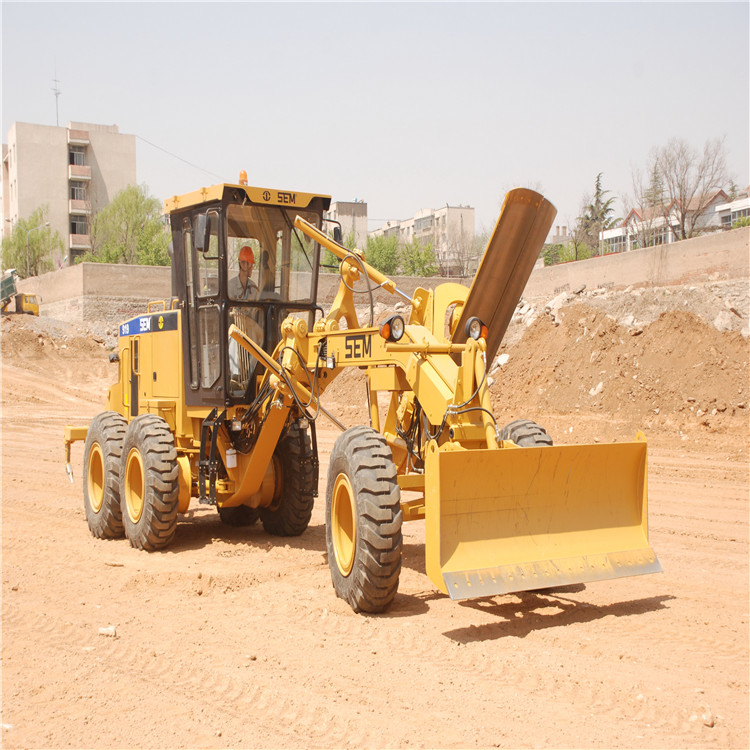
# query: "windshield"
267, 258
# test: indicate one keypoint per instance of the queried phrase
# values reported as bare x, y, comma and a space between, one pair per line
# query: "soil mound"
677, 373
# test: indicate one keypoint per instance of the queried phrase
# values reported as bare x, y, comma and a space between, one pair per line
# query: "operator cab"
213, 230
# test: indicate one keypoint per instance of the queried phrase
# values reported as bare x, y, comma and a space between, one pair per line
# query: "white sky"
405, 106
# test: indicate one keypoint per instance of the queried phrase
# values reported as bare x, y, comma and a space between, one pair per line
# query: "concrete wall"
98, 291
726, 254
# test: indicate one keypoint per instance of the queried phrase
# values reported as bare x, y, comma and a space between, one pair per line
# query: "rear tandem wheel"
101, 470
149, 486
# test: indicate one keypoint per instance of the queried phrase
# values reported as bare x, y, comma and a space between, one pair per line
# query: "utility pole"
56, 91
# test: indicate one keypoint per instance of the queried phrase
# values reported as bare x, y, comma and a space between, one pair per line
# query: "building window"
79, 225
77, 190
78, 155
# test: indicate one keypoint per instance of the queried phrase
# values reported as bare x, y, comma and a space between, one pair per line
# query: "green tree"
552, 253
32, 245
130, 230
382, 253
597, 216
417, 260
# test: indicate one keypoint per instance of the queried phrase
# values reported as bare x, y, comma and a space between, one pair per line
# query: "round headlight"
393, 328
475, 329
397, 327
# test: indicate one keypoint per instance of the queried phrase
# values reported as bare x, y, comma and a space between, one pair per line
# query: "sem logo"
145, 325
288, 198
358, 346
266, 195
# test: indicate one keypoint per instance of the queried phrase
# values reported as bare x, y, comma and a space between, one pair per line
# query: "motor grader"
218, 395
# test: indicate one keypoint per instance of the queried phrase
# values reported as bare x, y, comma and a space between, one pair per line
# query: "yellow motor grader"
219, 390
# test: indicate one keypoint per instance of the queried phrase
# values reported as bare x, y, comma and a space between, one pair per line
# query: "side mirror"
200, 233
337, 236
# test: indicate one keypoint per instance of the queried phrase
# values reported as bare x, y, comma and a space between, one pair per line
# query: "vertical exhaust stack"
524, 223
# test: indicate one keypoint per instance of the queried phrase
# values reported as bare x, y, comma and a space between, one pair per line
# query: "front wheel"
363, 520
526, 433
149, 489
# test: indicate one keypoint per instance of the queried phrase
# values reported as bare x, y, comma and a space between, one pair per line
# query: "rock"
723, 321
503, 359
110, 631
579, 289
556, 303
708, 718
596, 391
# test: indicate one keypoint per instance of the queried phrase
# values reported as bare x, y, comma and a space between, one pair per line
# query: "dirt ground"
234, 639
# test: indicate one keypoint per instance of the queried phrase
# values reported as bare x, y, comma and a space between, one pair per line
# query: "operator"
242, 286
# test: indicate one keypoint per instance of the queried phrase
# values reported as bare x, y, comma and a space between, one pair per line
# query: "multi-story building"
450, 229
657, 225
352, 215
74, 170
735, 210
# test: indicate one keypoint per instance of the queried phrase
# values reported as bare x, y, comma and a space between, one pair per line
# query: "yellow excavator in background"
219, 390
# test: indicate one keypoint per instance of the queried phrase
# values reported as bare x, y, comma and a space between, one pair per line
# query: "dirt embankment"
677, 376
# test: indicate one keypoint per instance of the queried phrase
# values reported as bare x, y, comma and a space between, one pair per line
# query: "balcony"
80, 242
78, 137
79, 208
78, 172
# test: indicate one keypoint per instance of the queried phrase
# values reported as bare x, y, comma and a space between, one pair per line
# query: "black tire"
149, 489
242, 515
101, 475
526, 433
363, 520
289, 513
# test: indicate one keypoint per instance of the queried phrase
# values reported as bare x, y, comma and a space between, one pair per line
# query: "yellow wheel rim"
95, 477
134, 485
344, 524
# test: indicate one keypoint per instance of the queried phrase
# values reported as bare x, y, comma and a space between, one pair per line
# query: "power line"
179, 158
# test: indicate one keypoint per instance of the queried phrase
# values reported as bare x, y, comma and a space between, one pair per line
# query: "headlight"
393, 328
476, 330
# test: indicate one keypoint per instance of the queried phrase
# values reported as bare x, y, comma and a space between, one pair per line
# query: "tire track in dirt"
293, 716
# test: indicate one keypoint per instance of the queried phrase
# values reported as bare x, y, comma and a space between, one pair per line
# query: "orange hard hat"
246, 253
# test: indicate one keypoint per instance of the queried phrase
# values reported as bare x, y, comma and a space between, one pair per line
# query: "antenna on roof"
57, 92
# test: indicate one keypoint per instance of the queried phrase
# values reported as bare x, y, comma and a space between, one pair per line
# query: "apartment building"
352, 215
450, 229
75, 170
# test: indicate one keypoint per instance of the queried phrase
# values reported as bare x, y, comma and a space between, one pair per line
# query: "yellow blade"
518, 519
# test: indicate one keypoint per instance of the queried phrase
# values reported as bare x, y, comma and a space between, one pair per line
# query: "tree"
130, 230
646, 200
417, 260
32, 245
382, 253
691, 180
597, 216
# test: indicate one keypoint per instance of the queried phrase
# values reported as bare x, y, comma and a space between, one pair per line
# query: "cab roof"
259, 196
